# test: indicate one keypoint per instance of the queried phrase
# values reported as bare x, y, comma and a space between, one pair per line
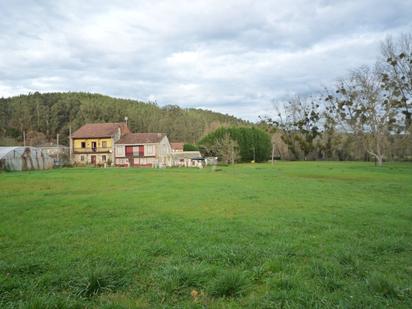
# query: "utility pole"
58, 148
24, 138
273, 152
70, 143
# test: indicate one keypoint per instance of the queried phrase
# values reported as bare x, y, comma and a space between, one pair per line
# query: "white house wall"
161, 154
120, 150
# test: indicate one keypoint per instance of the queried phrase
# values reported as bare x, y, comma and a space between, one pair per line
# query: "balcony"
134, 155
92, 150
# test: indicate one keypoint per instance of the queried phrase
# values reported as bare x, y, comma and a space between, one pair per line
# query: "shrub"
190, 147
254, 143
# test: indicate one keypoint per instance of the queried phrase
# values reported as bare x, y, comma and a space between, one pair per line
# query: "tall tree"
362, 109
298, 120
396, 75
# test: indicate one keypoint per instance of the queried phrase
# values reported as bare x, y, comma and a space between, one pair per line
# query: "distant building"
22, 158
177, 147
94, 143
143, 149
188, 159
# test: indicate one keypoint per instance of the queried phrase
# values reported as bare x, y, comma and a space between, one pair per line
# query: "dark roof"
141, 138
177, 146
96, 130
194, 155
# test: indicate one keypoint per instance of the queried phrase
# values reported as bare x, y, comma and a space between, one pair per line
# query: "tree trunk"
379, 160
273, 153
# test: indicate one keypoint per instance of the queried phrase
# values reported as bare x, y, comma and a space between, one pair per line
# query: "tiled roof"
141, 138
177, 146
96, 130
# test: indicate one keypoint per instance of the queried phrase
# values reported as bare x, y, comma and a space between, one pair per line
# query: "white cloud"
232, 56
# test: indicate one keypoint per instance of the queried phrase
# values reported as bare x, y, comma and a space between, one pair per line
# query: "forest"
44, 115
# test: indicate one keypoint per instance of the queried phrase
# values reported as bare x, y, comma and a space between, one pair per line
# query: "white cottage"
143, 149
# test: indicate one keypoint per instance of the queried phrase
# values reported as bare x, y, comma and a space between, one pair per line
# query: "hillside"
43, 115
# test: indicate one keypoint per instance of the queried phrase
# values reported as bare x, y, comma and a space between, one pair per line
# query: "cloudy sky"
235, 57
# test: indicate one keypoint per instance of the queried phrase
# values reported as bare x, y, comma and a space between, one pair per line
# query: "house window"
120, 151
104, 144
104, 158
83, 144
149, 150
81, 158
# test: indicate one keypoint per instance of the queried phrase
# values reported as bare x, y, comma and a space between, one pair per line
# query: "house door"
129, 155
93, 159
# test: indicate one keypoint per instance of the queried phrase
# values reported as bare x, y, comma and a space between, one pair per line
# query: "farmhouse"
143, 149
94, 143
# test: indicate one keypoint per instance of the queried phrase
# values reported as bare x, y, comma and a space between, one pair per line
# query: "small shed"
24, 158
188, 159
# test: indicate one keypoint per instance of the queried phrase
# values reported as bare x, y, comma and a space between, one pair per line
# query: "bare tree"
298, 121
396, 74
361, 108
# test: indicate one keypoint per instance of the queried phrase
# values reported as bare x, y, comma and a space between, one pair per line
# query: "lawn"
296, 234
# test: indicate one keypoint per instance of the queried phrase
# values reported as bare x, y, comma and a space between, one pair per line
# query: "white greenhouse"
24, 158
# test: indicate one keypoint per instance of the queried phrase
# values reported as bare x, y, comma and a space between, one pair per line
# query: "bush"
254, 144
190, 147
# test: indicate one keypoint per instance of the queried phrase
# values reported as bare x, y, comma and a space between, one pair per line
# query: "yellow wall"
78, 142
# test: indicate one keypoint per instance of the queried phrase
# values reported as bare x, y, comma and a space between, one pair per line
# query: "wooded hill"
44, 115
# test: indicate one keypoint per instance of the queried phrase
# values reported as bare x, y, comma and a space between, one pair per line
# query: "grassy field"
302, 234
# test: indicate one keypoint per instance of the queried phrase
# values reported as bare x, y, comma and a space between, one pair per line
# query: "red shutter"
129, 150
141, 151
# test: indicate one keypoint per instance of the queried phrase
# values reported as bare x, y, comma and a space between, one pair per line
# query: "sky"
236, 57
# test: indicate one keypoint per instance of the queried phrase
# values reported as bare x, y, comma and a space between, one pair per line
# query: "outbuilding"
21, 158
188, 159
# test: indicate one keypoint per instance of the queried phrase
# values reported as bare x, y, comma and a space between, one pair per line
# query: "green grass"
303, 234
